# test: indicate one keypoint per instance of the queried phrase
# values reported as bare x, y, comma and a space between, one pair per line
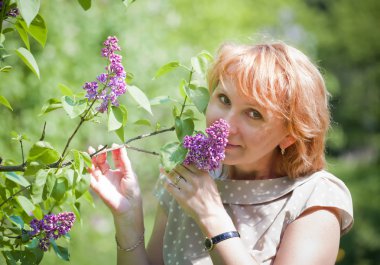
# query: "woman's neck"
240, 174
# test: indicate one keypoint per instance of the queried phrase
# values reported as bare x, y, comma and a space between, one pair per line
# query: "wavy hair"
281, 78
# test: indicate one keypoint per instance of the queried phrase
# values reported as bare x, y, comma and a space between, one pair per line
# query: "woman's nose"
232, 122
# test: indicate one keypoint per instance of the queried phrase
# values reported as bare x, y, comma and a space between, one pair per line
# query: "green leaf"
18, 136
188, 114
175, 111
17, 220
140, 98
78, 161
38, 30
5, 102
143, 122
73, 107
88, 197
182, 86
59, 189
200, 63
166, 69
32, 167
86, 158
25, 204
38, 253
43, 152
6, 69
50, 105
129, 77
28, 9
115, 118
199, 96
28, 59
2, 38
69, 175
120, 114
49, 185
172, 154
23, 34
38, 212
38, 186
16, 257
83, 185
65, 90
160, 100
183, 128
127, 3
85, 4
17, 179
75, 208
62, 252
120, 133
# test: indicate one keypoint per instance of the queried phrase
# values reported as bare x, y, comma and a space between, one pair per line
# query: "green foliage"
47, 180
29, 60
342, 35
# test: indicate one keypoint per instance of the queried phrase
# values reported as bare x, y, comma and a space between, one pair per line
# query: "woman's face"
255, 132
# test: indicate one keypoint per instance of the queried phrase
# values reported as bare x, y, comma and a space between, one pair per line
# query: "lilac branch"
13, 195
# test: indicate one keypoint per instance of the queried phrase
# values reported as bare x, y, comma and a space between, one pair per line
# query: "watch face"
208, 244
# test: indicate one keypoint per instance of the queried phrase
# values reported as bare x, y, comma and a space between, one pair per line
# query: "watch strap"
210, 242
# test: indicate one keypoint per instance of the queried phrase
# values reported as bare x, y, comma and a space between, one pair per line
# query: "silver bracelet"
131, 248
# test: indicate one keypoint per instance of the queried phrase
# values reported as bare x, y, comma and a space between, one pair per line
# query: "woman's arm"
120, 191
313, 239
199, 197
155, 245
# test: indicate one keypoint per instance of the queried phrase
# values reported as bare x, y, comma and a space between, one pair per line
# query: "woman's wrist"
129, 227
129, 248
212, 225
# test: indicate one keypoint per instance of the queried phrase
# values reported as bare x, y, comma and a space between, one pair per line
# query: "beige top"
260, 209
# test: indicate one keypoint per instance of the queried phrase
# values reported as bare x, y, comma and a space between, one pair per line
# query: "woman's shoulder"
323, 189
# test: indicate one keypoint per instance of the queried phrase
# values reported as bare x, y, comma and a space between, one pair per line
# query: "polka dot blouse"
260, 209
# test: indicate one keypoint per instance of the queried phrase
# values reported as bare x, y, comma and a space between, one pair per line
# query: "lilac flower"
51, 227
13, 12
112, 82
206, 152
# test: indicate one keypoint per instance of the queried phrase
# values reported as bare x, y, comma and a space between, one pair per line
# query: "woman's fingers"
121, 160
101, 161
175, 180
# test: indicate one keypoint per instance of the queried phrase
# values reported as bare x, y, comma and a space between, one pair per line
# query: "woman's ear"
287, 141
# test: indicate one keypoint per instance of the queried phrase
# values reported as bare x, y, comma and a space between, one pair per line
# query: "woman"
271, 202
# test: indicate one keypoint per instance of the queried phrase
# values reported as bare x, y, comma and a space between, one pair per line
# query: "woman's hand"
118, 187
196, 192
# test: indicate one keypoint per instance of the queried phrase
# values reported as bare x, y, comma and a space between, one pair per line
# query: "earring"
282, 151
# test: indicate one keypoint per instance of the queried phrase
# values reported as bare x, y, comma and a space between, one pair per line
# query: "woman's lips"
231, 146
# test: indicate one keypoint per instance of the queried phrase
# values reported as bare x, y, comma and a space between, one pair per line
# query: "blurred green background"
341, 36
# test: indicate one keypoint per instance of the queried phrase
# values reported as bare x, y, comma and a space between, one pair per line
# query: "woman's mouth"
231, 146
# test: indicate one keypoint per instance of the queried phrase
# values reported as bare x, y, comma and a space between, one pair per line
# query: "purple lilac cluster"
13, 12
206, 152
52, 226
110, 85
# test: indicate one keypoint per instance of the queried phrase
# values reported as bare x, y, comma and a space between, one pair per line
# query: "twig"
22, 152
184, 102
126, 146
17, 168
149, 134
82, 119
43, 132
13, 195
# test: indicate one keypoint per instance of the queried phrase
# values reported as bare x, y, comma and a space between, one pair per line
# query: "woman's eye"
224, 99
254, 114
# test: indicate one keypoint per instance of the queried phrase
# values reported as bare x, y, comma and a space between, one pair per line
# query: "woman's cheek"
213, 113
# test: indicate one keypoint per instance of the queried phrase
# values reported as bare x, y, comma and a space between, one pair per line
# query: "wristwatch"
211, 242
